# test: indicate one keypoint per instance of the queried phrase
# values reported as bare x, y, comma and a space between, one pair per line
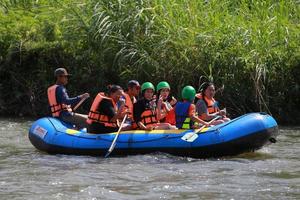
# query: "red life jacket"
95, 116
210, 104
55, 107
171, 117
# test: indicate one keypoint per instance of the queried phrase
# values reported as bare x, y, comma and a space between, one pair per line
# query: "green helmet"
147, 85
161, 85
188, 93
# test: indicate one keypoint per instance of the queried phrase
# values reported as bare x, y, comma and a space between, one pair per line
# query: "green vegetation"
250, 46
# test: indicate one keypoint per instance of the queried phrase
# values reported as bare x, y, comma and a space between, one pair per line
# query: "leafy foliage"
252, 47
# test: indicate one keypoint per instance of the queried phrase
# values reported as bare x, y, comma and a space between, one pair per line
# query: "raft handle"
273, 140
263, 113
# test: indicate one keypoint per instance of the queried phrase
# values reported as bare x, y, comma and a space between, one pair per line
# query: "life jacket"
210, 104
55, 107
183, 121
94, 114
148, 117
129, 105
171, 117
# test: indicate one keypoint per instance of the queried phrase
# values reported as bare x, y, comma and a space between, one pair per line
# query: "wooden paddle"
79, 103
113, 144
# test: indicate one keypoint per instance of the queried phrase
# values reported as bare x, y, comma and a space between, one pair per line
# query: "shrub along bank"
250, 47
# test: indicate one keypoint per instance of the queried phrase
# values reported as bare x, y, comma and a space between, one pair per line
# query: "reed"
252, 47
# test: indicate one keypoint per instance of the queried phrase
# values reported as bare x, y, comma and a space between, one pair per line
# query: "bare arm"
197, 119
143, 127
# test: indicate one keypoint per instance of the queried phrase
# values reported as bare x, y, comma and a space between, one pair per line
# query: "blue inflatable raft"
243, 134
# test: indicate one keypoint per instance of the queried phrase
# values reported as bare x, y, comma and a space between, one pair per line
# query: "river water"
26, 173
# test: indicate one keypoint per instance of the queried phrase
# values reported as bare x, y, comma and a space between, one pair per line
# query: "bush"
251, 47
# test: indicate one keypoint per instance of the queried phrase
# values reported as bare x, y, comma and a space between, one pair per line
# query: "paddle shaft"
113, 144
79, 103
202, 127
190, 136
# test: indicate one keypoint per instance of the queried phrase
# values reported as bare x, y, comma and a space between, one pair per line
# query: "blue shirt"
63, 97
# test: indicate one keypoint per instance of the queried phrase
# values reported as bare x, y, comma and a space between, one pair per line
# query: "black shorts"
100, 128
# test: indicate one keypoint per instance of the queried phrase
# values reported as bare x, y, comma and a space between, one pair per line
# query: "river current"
26, 173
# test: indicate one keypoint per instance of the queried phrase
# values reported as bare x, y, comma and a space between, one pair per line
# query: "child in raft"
185, 110
165, 103
145, 111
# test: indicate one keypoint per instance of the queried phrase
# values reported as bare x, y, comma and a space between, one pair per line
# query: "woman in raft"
207, 107
104, 113
145, 111
165, 103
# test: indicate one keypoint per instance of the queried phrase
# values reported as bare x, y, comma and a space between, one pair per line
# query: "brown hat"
61, 71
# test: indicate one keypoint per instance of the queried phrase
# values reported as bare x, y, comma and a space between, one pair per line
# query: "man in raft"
61, 104
130, 95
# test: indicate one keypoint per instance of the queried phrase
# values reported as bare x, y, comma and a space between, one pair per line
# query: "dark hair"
132, 83
143, 94
205, 86
169, 97
112, 89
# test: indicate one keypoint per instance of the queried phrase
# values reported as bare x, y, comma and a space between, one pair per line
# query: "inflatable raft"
243, 134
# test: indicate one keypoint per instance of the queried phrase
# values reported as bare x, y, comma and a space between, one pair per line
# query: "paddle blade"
190, 137
110, 149
107, 154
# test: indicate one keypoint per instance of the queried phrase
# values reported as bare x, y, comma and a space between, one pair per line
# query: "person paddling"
104, 113
185, 110
207, 107
61, 104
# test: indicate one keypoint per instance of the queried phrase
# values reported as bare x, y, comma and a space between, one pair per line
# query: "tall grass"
252, 47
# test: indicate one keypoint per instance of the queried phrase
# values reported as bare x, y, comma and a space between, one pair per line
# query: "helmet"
147, 85
188, 93
161, 85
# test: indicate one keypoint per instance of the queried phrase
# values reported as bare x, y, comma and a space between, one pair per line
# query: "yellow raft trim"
72, 131
179, 131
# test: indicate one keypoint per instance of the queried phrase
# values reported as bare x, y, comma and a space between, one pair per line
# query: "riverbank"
252, 48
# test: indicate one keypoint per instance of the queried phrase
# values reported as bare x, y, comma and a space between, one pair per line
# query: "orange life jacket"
148, 117
210, 104
55, 107
129, 105
94, 114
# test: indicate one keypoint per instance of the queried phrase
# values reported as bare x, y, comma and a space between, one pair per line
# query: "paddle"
113, 144
79, 103
192, 136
